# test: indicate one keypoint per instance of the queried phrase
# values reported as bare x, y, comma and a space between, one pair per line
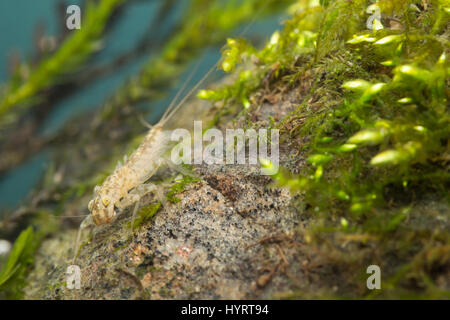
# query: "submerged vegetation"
19, 260
69, 58
374, 126
367, 140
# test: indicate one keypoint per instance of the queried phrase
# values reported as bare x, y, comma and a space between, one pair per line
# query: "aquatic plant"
67, 59
17, 264
373, 125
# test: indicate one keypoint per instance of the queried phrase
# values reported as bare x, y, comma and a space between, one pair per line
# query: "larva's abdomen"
143, 163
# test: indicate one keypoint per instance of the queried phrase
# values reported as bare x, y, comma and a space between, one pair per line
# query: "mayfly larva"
126, 185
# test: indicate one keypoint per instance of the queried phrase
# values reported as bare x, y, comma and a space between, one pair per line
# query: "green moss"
179, 187
375, 126
146, 213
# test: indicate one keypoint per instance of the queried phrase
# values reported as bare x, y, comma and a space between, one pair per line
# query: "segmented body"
141, 165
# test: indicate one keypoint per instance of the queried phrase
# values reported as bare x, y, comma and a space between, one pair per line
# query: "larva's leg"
179, 168
126, 202
87, 222
136, 194
131, 198
158, 190
159, 194
133, 216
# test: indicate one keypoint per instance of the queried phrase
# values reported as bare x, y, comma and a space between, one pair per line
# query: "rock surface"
204, 247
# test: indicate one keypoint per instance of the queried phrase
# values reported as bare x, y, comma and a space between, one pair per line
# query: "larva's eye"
91, 205
105, 201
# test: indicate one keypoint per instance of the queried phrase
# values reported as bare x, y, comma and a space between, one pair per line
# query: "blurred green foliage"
19, 260
67, 59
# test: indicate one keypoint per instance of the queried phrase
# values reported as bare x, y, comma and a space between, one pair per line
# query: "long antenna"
255, 16
172, 103
169, 113
164, 120
70, 217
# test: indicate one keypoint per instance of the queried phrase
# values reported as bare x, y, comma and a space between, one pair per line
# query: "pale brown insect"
127, 184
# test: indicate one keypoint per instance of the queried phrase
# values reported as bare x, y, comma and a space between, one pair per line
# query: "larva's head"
102, 210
